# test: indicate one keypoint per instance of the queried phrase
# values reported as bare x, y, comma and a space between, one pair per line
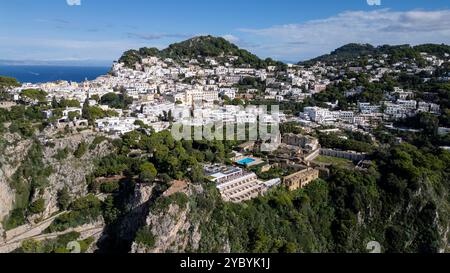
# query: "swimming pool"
245, 161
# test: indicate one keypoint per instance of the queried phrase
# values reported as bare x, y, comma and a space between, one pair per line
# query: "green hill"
352, 52
199, 48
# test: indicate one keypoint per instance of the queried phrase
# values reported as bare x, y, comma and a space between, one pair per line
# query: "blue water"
40, 74
246, 161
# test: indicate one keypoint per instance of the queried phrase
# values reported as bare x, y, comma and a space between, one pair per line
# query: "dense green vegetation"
176, 159
30, 177
401, 202
5, 83
145, 237
346, 52
24, 120
63, 103
82, 211
155, 158
203, 47
352, 52
81, 149
58, 245
64, 199
434, 49
37, 206
334, 141
8, 82
339, 162
91, 113
35, 95
372, 92
118, 101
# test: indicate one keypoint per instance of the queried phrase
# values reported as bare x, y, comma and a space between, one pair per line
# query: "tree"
146, 177
37, 206
55, 103
197, 174
145, 236
64, 199
81, 150
73, 115
31, 246
118, 101
69, 103
147, 166
109, 187
8, 82
110, 212
95, 97
35, 95
86, 113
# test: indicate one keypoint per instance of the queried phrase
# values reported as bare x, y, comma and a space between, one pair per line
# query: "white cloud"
374, 2
73, 2
231, 38
378, 27
43, 49
157, 36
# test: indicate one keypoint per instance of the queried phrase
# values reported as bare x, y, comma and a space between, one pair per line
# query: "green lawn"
340, 162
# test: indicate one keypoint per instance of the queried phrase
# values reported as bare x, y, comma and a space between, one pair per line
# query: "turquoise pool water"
245, 161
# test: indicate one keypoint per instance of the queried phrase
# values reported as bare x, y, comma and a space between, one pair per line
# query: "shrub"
67, 238
145, 236
62, 154
64, 199
37, 206
15, 219
81, 150
109, 187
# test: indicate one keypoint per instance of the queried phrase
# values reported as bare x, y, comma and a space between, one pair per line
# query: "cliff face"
6, 198
12, 152
139, 206
174, 223
173, 231
71, 172
66, 172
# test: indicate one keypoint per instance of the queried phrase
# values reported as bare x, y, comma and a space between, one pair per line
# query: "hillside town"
155, 93
203, 146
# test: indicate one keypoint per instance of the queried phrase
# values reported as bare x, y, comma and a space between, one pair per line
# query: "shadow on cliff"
119, 234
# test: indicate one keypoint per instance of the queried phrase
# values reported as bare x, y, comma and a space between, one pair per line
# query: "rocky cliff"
67, 171
173, 223
71, 172
12, 151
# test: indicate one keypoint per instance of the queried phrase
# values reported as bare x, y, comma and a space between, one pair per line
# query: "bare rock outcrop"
71, 172
12, 151
172, 227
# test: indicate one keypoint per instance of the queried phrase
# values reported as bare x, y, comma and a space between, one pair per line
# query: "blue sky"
100, 30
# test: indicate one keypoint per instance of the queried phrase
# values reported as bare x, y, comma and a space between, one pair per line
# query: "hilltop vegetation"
199, 47
353, 51
7, 82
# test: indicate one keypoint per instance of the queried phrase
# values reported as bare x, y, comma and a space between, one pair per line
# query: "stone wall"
353, 156
300, 179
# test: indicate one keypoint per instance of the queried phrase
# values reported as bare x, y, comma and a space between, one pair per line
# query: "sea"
45, 73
